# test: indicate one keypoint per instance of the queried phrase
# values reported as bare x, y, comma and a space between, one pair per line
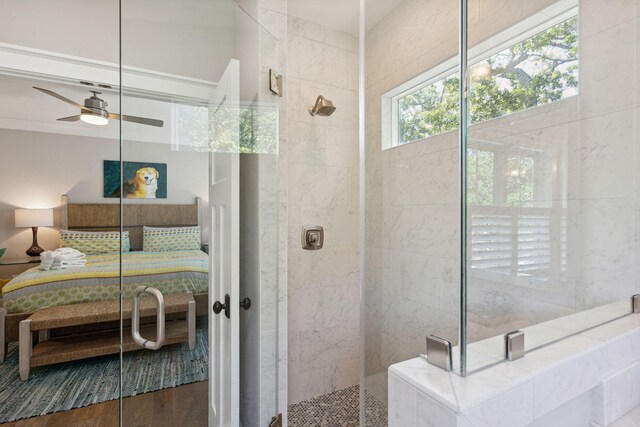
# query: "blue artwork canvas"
140, 180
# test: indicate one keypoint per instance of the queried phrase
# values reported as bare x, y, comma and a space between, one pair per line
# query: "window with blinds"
520, 242
514, 229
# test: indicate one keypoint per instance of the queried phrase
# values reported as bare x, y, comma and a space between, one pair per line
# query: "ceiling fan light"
94, 119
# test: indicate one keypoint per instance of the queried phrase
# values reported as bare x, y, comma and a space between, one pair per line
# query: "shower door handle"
135, 319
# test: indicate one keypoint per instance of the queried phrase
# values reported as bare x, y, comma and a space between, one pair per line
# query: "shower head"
322, 107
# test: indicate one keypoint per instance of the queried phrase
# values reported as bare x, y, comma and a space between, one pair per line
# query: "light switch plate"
275, 82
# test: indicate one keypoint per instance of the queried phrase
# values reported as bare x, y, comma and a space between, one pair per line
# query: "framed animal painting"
140, 180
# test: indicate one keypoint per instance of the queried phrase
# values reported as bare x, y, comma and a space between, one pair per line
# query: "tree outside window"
536, 71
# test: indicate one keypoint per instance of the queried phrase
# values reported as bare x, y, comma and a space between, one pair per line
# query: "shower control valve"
312, 237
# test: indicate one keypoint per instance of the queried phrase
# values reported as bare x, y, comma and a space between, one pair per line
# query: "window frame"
527, 28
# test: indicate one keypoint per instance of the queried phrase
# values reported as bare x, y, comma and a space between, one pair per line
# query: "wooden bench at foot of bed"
10, 323
86, 345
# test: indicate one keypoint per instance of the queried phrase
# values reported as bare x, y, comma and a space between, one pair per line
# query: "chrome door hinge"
275, 82
276, 421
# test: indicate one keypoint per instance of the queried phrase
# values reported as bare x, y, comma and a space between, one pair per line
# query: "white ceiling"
342, 15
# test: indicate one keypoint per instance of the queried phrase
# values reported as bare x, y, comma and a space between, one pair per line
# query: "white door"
224, 251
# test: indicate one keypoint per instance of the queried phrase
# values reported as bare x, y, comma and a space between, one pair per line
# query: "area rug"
72, 385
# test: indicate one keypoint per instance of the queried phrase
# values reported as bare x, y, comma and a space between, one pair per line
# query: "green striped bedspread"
173, 272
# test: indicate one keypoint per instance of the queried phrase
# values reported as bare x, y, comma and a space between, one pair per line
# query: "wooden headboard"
106, 217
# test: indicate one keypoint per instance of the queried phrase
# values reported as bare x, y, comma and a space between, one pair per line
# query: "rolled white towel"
69, 253
46, 260
71, 264
62, 258
59, 262
64, 251
73, 261
57, 265
46, 264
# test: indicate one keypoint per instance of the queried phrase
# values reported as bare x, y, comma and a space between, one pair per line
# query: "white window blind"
520, 242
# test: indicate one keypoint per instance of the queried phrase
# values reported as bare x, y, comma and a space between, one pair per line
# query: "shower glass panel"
200, 199
551, 202
60, 354
411, 230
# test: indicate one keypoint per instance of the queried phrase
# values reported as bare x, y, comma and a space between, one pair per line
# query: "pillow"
94, 242
170, 239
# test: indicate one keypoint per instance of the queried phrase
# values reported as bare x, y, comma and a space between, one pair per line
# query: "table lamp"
34, 218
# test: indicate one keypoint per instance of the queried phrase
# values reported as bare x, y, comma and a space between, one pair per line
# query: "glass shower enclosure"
503, 200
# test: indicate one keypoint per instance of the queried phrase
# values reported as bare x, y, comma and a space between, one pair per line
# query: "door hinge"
275, 82
276, 421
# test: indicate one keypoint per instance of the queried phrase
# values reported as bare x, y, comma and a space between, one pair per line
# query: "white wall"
38, 168
187, 38
323, 190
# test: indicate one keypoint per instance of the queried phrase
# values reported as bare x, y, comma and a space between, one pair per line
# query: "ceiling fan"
94, 111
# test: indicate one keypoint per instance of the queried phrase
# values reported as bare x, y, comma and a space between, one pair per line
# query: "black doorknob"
245, 303
218, 306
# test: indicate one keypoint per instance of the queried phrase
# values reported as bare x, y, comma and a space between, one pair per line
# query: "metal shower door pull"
135, 319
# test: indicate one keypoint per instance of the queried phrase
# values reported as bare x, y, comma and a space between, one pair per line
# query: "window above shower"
531, 64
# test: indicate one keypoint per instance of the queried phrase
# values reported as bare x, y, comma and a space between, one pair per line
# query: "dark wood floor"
180, 406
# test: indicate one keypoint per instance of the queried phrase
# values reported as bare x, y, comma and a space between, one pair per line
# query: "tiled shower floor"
339, 408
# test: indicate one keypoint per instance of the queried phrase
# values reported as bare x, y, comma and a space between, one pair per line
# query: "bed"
173, 272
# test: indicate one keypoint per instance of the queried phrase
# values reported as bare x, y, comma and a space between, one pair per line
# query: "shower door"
210, 226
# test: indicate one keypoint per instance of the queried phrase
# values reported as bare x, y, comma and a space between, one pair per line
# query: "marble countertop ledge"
586, 349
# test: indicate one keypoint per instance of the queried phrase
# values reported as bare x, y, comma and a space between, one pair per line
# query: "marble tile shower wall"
589, 182
323, 296
586, 151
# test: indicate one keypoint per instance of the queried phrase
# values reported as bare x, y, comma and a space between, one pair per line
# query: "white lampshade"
34, 217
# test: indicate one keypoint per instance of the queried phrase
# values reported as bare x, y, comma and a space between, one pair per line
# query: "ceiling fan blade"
61, 98
70, 119
134, 119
